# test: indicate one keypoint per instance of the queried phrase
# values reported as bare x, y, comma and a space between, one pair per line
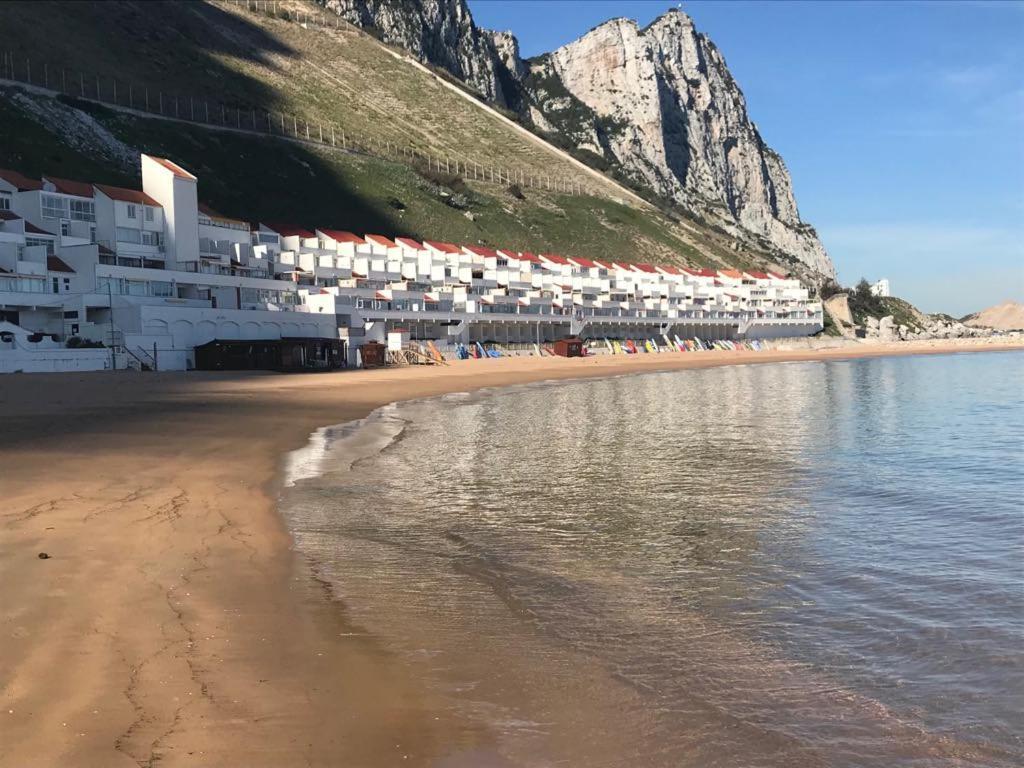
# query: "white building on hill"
153, 274
881, 288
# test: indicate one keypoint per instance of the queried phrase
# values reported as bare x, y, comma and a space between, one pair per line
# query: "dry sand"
172, 623
1007, 316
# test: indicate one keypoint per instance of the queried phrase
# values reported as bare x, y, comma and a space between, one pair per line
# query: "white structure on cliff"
154, 274
881, 288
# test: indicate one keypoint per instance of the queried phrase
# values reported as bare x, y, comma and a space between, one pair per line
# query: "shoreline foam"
172, 620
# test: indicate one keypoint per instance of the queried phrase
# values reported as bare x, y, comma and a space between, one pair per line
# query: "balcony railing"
22, 285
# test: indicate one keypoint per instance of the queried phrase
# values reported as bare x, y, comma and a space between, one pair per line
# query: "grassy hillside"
265, 178
216, 51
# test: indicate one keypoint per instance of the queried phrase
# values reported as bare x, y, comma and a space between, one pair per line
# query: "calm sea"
792, 564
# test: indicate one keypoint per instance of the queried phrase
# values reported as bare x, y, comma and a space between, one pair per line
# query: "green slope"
216, 51
258, 178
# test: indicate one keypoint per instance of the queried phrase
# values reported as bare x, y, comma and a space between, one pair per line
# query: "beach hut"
568, 347
373, 354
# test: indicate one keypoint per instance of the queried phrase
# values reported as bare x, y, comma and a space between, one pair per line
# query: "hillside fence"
146, 101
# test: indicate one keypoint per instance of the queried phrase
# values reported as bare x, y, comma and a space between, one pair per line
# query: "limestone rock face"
661, 103
506, 46
657, 104
441, 32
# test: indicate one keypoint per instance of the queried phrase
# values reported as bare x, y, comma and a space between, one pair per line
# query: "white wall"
53, 360
180, 200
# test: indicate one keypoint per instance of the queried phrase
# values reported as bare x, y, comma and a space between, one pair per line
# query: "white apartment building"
153, 274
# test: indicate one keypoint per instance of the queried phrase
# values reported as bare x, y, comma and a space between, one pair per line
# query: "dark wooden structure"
568, 348
373, 354
289, 354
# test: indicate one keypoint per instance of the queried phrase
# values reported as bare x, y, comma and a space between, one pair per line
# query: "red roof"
759, 275
409, 243
443, 247
670, 270
623, 265
601, 264
707, 273
650, 268
204, 208
579, 261
530, 257
68, 187
380, 240
127, 195
478, 250
20, 182
341, 236
34, 230
8, 216
54, 264
554, 259
174, 168
287, 230
777, 276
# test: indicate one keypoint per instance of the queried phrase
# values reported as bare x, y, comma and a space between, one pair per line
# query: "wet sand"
172, 622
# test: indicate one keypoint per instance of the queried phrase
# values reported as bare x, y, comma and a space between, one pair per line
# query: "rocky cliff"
661, 104
440, 32
657, 105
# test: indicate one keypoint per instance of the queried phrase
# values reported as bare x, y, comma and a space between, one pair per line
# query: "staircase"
139, 359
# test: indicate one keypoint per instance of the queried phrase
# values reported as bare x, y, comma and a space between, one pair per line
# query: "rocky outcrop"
660, 103
885, 329
440, 32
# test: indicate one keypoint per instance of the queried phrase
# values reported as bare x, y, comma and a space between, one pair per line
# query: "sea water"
762, 565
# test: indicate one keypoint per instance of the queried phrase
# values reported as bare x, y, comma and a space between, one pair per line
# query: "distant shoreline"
172, 616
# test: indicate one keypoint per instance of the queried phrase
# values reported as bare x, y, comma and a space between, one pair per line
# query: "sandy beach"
171, 622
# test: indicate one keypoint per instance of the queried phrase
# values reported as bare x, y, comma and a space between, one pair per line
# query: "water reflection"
719, 567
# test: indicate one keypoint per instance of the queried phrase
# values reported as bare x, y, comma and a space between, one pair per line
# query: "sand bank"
172, 622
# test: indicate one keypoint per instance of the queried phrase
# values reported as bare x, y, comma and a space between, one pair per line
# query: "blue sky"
902, 124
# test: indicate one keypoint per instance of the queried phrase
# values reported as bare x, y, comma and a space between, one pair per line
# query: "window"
149, 213
152, 238
268, 237
71, 315
162, 289
82, 210
36, 241
62, 285
54, 207
126, 235
64, 228
108, 285
131, 211
5, 202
